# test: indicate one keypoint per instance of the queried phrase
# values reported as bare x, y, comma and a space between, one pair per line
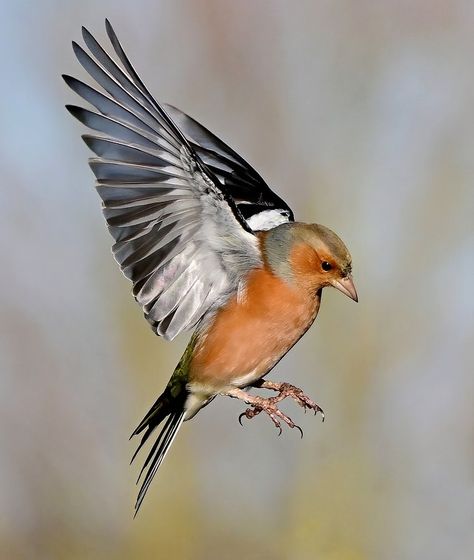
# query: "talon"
276, 423
284, 391
321, 411
270, 406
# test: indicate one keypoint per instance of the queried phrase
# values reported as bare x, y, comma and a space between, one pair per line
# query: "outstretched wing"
179, 236
258, 204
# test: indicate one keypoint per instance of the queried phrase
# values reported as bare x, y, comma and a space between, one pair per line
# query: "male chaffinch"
207, 245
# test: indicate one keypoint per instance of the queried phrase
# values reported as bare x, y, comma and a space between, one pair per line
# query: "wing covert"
259, 205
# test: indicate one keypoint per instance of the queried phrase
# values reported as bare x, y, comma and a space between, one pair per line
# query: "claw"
286, 390
275, 421
269, 406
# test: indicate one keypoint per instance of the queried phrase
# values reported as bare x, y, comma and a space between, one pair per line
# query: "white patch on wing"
267, 219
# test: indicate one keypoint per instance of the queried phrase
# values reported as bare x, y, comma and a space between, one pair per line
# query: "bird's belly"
252, 376
248, 337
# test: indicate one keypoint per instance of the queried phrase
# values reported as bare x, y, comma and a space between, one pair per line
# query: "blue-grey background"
360, 114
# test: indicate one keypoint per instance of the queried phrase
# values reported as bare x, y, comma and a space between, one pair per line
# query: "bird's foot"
260, 404
287, 390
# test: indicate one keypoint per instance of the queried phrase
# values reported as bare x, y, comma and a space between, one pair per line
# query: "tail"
169, 408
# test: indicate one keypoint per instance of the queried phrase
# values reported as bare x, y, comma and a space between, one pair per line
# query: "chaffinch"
207, 245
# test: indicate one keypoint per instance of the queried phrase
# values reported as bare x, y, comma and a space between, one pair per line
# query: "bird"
208, 246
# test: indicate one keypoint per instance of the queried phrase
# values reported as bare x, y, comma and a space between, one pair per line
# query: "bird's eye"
326, 266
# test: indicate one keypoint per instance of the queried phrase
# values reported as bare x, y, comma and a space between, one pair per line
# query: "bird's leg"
259, 404
286, 390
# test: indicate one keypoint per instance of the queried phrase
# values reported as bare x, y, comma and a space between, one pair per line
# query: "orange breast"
252, 332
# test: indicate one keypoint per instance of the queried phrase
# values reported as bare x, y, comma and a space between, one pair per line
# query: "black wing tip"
68, 79
89, 140
108, 27
79, 51
86, 34
112, 36
72, 82
75, 110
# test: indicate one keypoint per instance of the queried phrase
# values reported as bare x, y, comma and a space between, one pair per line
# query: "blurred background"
360, 114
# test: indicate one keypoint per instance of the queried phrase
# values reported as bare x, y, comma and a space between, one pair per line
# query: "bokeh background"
361, 115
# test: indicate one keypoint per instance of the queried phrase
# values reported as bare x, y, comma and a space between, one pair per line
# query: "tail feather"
171, 405
171, 409
151, 453
153, 418
157, 413
158, 453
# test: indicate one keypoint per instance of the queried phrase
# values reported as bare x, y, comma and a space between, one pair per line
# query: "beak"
346, 286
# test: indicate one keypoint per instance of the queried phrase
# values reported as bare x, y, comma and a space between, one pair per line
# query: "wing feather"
254, 198
179, 236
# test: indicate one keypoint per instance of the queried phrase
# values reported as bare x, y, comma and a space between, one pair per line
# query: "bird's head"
310, 255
